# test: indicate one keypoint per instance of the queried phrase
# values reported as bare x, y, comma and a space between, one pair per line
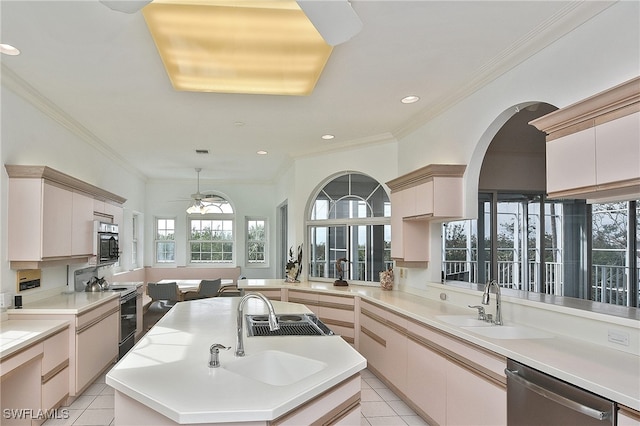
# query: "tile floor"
380, 406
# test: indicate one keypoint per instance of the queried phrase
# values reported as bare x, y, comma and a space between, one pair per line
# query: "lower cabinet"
446, 380
628, 417
336, 311
92, 343
35, 381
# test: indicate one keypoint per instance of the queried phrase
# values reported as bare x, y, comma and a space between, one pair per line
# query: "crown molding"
33, 96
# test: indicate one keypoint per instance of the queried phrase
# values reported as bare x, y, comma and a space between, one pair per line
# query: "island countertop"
168, 369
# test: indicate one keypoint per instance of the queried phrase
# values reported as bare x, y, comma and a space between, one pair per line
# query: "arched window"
350, 218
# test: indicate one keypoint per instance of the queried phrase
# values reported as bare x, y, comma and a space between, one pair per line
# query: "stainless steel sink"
290, 325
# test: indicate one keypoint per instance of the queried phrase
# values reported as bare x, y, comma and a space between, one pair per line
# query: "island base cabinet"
20, 388
339, 405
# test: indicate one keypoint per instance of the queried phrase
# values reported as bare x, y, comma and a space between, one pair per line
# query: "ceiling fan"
201, 202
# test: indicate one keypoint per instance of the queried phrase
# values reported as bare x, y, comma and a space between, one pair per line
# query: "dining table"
185, 286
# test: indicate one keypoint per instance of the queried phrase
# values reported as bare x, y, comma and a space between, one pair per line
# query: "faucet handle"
481, 314
214, 350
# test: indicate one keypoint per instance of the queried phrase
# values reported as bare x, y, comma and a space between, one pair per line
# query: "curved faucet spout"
273, 321
485, 300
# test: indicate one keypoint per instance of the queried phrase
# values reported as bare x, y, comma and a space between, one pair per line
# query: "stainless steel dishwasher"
535, 398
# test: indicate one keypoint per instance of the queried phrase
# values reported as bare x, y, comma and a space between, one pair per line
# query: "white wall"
600, 54
29, 137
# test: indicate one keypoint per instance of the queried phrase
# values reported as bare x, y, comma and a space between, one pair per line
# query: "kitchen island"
166, 378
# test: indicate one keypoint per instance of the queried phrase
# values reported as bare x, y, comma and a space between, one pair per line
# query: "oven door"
128, 322
107, 248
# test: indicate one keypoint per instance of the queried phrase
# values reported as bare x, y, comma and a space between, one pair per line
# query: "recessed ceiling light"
8, 49
410, 99
327, 137
261, 152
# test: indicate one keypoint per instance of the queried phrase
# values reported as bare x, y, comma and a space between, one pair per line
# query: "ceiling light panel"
257, 47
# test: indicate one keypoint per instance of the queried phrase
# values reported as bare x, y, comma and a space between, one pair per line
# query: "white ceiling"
101, 68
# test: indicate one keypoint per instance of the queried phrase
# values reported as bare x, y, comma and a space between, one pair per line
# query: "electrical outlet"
5, 300
618, 337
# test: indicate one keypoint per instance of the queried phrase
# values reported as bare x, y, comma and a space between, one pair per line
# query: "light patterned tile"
82, 402
71, 416
375, 382
95, 389
99, 417
376, 409
366, 373
401, 408
387, 394
387, 421
369, 395
108, 390
364, 422
414, 420
102, 401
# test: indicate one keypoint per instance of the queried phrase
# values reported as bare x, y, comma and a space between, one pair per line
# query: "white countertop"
176, 351
16, 335
66, 303
611, 373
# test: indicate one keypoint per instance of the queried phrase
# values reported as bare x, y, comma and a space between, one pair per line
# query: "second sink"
509, 332
275, 368
462, 320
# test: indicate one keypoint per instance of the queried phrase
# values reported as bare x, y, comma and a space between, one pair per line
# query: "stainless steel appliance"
535, 398
128, 317
107, 250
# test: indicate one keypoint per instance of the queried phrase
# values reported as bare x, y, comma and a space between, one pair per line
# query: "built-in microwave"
107, 250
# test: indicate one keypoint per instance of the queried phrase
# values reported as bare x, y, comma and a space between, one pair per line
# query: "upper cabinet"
593, 146
51, 216
417, 198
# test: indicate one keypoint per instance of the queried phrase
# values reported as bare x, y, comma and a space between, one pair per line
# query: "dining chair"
207, 288
164, 297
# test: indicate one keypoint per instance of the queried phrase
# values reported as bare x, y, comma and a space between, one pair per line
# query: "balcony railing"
609, 282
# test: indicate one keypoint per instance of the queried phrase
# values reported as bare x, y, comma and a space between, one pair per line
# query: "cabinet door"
82, 222
397, 247
56, 221
96, 347
571, 161
618, 149
427, 381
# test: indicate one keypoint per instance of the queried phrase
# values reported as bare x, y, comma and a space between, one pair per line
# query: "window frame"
211, 216
156, 240
265, 241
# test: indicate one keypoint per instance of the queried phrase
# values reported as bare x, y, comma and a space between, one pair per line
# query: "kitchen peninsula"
452, 373
166, 379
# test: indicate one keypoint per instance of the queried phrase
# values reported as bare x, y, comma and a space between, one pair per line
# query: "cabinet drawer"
86, 319
55, 390
56, 351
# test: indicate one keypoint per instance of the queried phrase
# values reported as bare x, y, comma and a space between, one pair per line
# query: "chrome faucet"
485, 300
273, 321
214, 351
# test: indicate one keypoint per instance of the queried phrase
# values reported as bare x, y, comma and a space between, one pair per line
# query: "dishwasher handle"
546, 393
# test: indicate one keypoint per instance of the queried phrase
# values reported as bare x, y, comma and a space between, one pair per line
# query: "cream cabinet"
446, 380
336, 311
628, 417
593, 146
92, 344
50, 216
432, 193
55, 370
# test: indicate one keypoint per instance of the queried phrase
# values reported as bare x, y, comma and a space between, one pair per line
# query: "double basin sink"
290, 325
474, 325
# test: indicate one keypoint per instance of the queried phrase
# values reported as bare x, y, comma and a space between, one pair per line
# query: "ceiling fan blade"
335, 20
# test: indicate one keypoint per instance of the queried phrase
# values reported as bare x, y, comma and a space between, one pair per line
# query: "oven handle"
128, 297
546, 393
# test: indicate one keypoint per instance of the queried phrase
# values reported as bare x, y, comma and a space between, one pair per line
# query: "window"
350, 218
211, 240
256, 242
165, 240
134, 240
528, 243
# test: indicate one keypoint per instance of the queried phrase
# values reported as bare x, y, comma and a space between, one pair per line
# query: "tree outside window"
165, 240
256, 242
211, 240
